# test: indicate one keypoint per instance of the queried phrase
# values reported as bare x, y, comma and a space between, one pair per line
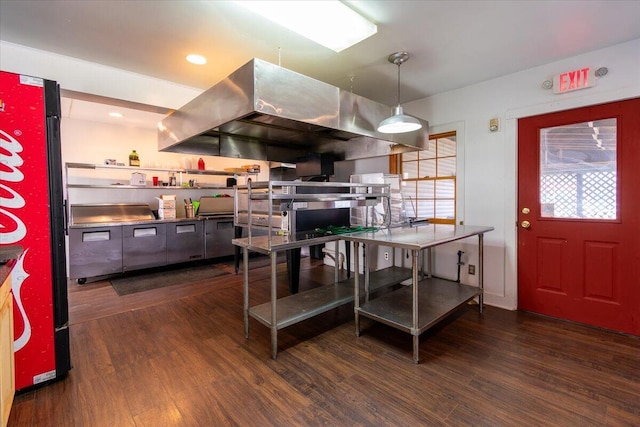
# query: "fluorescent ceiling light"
196, 59
329, 23
116, 115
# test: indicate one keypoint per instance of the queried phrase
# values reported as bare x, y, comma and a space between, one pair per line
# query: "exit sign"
581, 78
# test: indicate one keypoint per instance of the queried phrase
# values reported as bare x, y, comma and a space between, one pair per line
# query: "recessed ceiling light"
329, 23
116, 114
196, 59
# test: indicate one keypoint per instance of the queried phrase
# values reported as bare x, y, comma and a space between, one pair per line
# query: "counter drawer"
185, 241
144, 246
95, 251
218, 236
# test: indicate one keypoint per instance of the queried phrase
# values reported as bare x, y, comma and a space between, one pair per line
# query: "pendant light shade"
399, 122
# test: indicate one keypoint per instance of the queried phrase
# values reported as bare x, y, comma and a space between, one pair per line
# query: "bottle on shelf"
134, 159
200, 164
172, 179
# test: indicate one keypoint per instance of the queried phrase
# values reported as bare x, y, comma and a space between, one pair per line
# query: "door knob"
525, 211
525, 224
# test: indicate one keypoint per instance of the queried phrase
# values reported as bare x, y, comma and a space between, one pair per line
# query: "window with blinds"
429, 180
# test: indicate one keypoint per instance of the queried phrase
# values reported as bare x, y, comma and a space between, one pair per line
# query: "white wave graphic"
18, 276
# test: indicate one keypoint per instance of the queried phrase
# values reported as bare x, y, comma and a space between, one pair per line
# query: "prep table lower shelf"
417, 308
437, 298
304, 305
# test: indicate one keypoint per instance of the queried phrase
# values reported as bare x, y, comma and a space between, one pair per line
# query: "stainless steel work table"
417, 308
280, 313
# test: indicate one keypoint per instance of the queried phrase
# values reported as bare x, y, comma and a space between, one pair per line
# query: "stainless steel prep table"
427, 301
280, 313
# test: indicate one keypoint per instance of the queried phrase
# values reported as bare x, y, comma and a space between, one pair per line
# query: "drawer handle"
188, 228
145, 232
95, 236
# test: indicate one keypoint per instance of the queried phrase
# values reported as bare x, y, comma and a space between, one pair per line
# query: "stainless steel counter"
97, 249
429, 300
144, 222
417, 237
398, 309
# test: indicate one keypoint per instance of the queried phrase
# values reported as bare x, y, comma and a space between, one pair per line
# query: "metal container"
94, 214
215, 206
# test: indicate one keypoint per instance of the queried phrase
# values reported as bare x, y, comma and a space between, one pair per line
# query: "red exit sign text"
574, 80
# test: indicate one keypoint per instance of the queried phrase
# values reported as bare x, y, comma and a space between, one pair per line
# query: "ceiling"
452, 43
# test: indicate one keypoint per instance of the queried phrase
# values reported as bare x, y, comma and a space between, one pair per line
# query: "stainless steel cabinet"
185, 241
218, 234
95, 251
144, 246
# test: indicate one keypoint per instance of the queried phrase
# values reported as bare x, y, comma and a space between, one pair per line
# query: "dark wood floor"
177, 357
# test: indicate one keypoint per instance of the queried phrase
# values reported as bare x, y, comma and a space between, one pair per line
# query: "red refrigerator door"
25, 221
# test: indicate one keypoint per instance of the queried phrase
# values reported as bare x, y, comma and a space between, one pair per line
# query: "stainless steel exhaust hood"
265, 112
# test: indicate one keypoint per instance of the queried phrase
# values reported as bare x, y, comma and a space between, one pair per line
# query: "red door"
578, 210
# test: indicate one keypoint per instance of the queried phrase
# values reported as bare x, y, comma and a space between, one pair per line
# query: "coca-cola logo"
12, 228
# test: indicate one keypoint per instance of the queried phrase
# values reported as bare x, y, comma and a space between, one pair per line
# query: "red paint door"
578, 215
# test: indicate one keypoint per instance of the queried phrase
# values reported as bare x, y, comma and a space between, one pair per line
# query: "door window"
578, 170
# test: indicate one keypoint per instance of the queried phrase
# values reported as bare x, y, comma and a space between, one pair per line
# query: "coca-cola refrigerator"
32, 215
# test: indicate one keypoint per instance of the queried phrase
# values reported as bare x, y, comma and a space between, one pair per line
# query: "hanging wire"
398, 63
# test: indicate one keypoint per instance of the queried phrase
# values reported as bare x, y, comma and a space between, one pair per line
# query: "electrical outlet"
472, 269
386, 256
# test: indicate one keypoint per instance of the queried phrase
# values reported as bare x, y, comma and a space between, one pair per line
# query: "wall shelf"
144, 187
132, 169
136, 168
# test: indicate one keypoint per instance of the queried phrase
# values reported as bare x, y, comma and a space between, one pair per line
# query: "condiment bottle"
134, 160
200, 164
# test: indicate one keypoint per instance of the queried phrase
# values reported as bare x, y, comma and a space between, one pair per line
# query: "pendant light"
399, 122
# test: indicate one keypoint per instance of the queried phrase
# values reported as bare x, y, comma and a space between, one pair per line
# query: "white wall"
92, 142
490, 158
95, 79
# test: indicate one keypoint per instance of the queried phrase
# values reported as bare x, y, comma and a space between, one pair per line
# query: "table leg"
416, 335
356, 286
480, 271
237, 233
347, 255
245, 257
336, 263
367, 263
293, 269
274, 299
